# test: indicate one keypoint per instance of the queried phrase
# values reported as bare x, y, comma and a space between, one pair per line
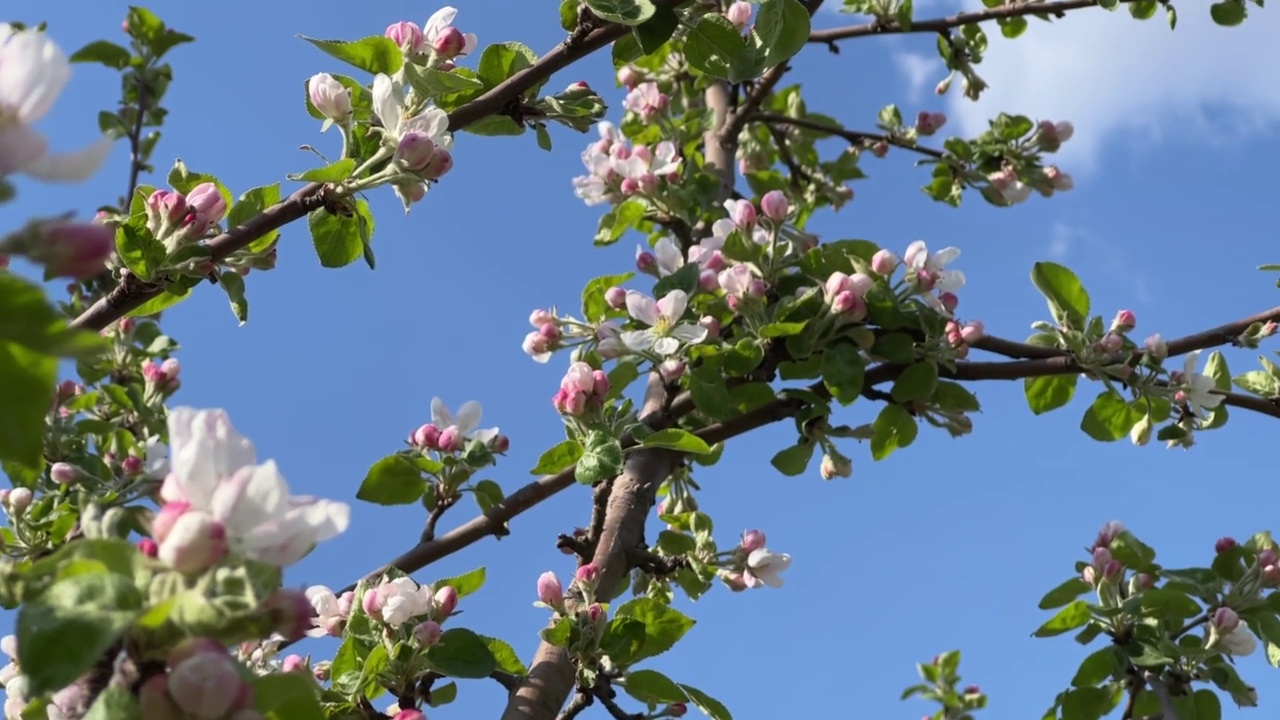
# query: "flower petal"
673, 304
642, 307
20, 148
438, 21
440, 413
386, 103
691, 334
251, 497
33, 71
74, 166
639, 340
665, 346
943, 257
468, 417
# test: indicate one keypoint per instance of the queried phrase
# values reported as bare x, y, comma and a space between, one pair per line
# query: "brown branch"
891, 27
853, 137
131, 294
581, 701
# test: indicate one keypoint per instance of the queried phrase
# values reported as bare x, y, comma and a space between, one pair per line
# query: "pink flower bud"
595, 613
206, 685
427, 633
1156, 346
166, 206
600, 383
4, 262
75, 250
550, 592
1123, 322
646, 262
164, 520
171, 368
775, 205
752, 540
671, 369
194, 543
450, 439
708, 280
427, 437
711, 324
1224, 544
1112, 570
629, 77
949, 301
1059, 179
1111, 343
615, 297
880, 148
438, 166
972, 332
20, 499
294, 663
1268, 556
833, 467
446, 600
371, 602
449, 43
63, 473
500, 444
715, 262
928, 123
588, 574
131, 465
739, 13
1145, 581
541, 317
1089, 575
415, 150
1225, 619
410, 714
1271, 575
735, 581
757, 288
847, 303
207, 202
407, 36
677, 709
1064, 130
744, 213
1101, 556
550, 332
148, 547
629, 186
292, 613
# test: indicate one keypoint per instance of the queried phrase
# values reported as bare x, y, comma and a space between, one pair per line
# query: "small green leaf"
842, 372
895, 347
894, 428
429, 82
140, 252
1062, 289
1074, 615
594, 307
502, 60
677, 439
623, 12
1228, 13
715, 47
783, 29
1110, 418
569, 14
462, 654
709, 392
287, 696
488, 495
663, 625
393, 480
233, 285
1095, 669
916, 383
623, 638
331, 173
1064, 593
1207, 704
465, 584
653, 33
28, 379
1166, 603
1135, 554
794, 460
558, 634
103, 52
373, 55
339, 241
782, 329
709, 706
254, 202
652, 687
506, 657
601, 458
1049, 392
560, 457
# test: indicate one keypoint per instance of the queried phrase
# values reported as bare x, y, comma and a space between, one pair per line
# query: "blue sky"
948, 545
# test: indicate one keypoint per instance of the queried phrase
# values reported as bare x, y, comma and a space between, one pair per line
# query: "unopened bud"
446, 600
1224, 544
616, 297
1225, 620
427, 633
1123, 322
63, 473
775, 205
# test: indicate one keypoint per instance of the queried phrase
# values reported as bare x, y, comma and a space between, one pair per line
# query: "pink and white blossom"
439, 34
927, 272
646, 100
401, 599
1198, 388
665, 332
765, 567
466, 424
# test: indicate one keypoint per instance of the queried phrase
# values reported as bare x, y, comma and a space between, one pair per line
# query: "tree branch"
891, 27
853, 137
131, 294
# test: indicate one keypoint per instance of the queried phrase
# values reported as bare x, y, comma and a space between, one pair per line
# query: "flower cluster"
436, 43
449, 434
583, 388
331, 611
616, 170
752, 565
1048, 138
177, 219
396, 602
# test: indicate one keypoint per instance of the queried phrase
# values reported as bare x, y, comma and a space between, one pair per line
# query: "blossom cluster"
616, 170
447, 433
752, 565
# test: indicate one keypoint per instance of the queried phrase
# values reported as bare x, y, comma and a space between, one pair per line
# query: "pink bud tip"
1226, 619
428, 633
753, 540
148, 547
446, 600
451, 439
1224, 544
775, 205
550, 592
616, 297
427, 437
588, 574
63, 473
449, 43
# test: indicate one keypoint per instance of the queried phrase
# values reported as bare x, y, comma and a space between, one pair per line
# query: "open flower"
665, 332
401, 599
439, 29
214, 472
764, 567
668, 255
33, 71
1198, 388
466, 423
388, 104
927, 271
331, 611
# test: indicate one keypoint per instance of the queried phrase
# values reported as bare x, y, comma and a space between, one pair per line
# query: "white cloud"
920, 71
1118, 79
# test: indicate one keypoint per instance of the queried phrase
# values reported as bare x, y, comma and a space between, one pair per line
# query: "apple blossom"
739, 13
752, 540
665, 331
667, 256
465, 425
407, 36
446, 40
1199, 389
214, 471
880, 148
671, 369
1225, 619
972, 332
736, 281
928, 123
629, 76
884, 262
33, 71
409, 714
834, 466
445, 600
742, 213
207, 685
550, 592
294, 663
1156, 347
587, 575
1059, 179
775, 205
646, 100
1240, 642
193, 543
1224, 544
645, 261
63, 473
389, 106
330, 615
331, 98
927, 271
426, 437
66, 249
207, 204
765, 567
148, 547
711, 324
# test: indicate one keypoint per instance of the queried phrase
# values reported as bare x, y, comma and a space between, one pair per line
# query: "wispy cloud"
920, 71
1081, 246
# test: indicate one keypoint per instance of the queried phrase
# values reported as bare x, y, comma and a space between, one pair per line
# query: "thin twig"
581, 701
853, 137
892, 26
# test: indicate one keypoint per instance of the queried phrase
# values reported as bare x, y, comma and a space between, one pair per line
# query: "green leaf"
623, 12
601, 458
594, 306
710, 395
794, 460
103, 52
686, 279
715, 47
623, 638
916, 383
709, 706
462, 654
28, 380
1049, 392
782, 329
653, 33
233, 285
27, 318
287, 696
677, 439
560, 457
339, 241
1207, 704
953, 396
1064, 593
1086, 703
488, 495
443, 694
254, 202
894, 428
569, 14
373, 55
1228, 13
783, 28
506, 657
1062, 289
465, 584
1110, 418
896, 347
1133, 553
1096, 668
140, 252
558, 634
652, 687
71, 625
663, 625
429, 82
332, 173
1075, 614
393, 480
1166, 603
502, 60
843, 371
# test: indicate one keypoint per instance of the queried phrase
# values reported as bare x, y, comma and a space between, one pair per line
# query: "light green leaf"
1063, 291
794, 460
558, 458
1110, 418
393, 480
502, 60
1049, 392
287, 696
664, 625
652, 687
506, 657
677, 439
594, 307
373, 55
251, 204
1064, 593
340, 241
842, 372
465, 584
1228, 13
709, 706
894, 428
233, 285
463, 654
623, 12
1075, 614
715, 47
332, 173
601, 458
27, 378
916, 383
783, 28
104, 53
430, 82
114, 703
140, 252
709, 392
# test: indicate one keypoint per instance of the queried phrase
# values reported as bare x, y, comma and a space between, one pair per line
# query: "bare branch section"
893, 27
853, 137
